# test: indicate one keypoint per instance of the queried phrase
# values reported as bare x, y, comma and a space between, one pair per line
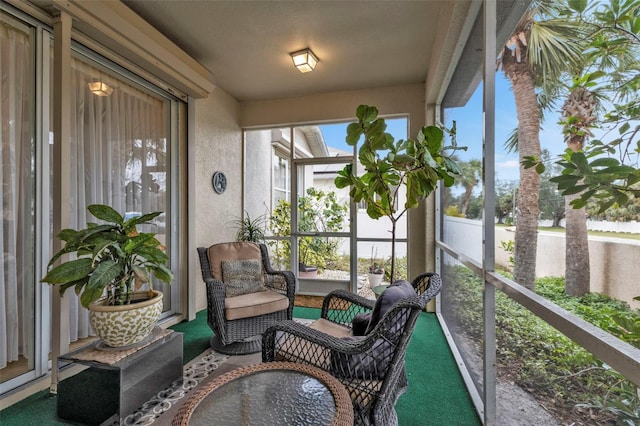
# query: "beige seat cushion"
231, 251
254, 304
296, 349
331, 328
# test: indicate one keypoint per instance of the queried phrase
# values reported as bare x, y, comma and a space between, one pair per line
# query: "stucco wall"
218, 146
258, 166
218, 124
337, 106
613, 265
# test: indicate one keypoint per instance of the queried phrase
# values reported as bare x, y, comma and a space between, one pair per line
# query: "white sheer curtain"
17, 178
118, 150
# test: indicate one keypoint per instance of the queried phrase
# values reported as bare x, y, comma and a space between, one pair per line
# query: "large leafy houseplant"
415, 164
112, 257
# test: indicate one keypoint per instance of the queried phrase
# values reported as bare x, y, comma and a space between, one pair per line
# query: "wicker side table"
273, 393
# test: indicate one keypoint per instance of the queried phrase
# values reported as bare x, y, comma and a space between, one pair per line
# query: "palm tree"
609, 61
579, 113
538, 51
471, 174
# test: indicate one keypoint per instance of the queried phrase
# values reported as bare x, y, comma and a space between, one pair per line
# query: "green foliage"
318, 212
510, 248
474, 211
540, 358
606, 171
453, 211
400, 271
505, 193
112, 257
417, 164
622, 400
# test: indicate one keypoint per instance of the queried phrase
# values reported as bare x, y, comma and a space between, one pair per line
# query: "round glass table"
273, 393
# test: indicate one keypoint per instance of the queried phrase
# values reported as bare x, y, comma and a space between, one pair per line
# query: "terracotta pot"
126, 325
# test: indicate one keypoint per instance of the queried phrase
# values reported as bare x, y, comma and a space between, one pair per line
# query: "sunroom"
188, 90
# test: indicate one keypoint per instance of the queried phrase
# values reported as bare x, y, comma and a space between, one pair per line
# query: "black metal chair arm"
341, 306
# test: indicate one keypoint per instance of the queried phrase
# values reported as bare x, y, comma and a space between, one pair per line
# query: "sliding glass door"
120, 156
123, 143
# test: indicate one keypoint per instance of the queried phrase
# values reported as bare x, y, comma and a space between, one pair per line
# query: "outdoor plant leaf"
604, 162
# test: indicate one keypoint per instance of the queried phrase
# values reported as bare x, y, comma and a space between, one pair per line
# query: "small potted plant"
113, 261
376, 273
248, 229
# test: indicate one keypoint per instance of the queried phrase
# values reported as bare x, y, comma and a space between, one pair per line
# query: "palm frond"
511, 144
555, 47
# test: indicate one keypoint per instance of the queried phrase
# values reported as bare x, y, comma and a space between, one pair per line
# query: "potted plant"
113, 261
376, 273
252, 230
417, 164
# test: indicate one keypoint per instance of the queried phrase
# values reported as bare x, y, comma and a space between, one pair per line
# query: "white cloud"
509, 164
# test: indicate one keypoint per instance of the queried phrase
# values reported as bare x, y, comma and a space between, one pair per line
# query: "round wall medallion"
219, 182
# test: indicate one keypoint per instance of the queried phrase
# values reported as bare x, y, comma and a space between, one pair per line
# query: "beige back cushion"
231, 251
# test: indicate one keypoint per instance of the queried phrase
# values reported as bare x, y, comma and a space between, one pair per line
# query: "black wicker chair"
238, 322
371, 367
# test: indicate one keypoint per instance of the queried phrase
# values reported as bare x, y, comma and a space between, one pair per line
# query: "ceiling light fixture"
305, 60
100, 88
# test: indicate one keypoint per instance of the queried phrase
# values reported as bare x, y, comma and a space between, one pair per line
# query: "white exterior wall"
601, 225
614, 263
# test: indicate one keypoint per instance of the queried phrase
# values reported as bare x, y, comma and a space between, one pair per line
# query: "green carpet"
436, 394
196, 336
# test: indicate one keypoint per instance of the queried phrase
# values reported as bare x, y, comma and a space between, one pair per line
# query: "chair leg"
248, 346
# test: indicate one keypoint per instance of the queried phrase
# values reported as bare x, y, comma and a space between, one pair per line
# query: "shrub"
538, 357
319, 212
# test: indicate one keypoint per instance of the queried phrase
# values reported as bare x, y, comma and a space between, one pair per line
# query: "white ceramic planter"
375, 280
125, 325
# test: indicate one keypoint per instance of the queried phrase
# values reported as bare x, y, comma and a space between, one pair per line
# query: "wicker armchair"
371, 367
238, 320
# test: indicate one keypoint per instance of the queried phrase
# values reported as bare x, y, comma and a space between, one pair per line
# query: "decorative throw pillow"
397, 291
242, 277
360, 323
275, 281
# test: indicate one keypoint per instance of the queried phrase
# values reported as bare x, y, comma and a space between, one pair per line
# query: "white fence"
600, 225
614, 262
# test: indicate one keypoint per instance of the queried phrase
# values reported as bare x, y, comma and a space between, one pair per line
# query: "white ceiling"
245, 44
360, 44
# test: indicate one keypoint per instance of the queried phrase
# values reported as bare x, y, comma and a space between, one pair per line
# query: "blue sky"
469, 125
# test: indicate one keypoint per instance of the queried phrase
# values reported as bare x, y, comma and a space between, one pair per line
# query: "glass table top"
269, 397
